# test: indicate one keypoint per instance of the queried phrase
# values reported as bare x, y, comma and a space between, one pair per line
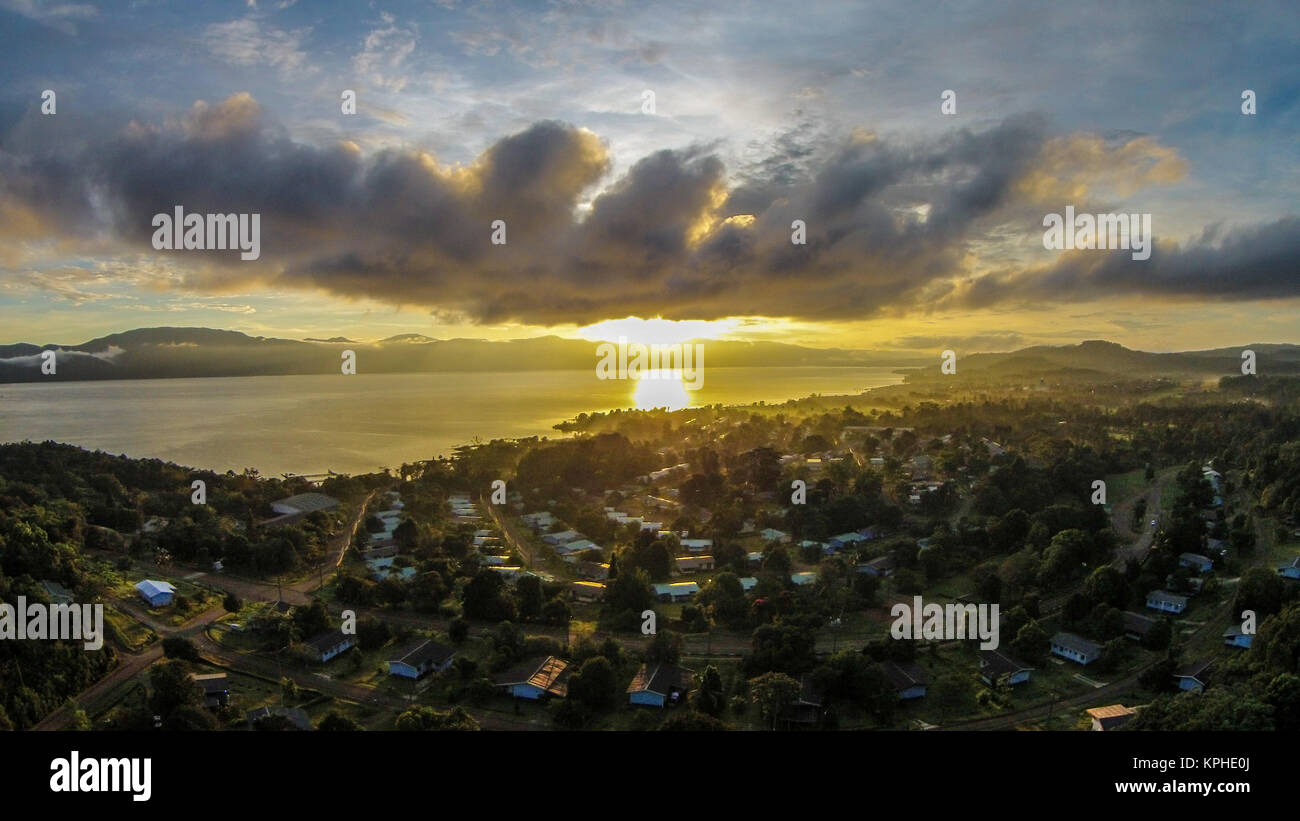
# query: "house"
562, 537
295, 715
806, 577
675, 591
748, 583
1233, 637
1193, 677
807, 707
1216, 547
593, 571
304, 503
691, 564
1137, 626
908, 679
755, 557
329, 644
697, 545
1112, 717
419, 660
1290, 570
1197, 562
844, 540
215, 689
58, 593
999, 668
587, 591
1166, 602
1075, 648
660, 685
881, 566
575, 547
537, 521
536, 679
158, 594
770, 534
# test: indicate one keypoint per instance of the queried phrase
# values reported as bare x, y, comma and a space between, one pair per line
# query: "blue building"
999, 668
1075, 648
424, 658
1233, 637
1197, 562
909, 679
1290, 570
660, 685
1166, 602
158, 594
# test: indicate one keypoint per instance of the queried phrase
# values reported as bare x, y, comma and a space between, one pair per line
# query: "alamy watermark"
946, 622
1100, 231
53, 622
208, 232
657, 361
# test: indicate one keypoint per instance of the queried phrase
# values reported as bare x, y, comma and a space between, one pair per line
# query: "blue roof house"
158, 594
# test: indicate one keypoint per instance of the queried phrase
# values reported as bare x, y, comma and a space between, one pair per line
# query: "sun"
661, 389
657, 331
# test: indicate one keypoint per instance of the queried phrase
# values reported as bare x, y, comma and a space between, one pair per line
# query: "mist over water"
355, 424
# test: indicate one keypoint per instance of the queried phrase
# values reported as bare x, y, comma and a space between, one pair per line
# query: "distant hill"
159, 353
1102, 359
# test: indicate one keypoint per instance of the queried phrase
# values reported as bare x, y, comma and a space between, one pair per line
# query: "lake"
359, 423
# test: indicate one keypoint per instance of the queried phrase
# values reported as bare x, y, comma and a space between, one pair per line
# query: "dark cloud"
889, 223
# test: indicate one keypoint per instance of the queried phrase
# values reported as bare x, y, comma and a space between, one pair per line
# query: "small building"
908, 679
562, 537
1166, 602
997, 668
58, 593
675, 591
422, 658
304, 503
1290, 570
801, 579
1137, 626
1193, 677
660, 685
770, 534
692, 564
1112, 717
157, 594
807, 707
593, 571
330, 644
880, 567
836, 543
1197, 562
214, 687
1234, 637
536, 679
587, 591
697, 545
748, 583
575, 547
1075, 648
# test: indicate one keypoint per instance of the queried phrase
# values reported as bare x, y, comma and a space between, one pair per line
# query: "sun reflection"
661, 389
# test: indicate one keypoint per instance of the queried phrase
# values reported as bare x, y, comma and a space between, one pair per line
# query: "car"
1155, 522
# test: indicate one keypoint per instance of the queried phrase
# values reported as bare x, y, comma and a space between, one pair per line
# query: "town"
662, 570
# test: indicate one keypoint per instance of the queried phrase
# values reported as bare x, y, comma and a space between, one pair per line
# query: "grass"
130, 634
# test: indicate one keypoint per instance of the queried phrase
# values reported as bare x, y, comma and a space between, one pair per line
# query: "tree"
594, 685
289, 689
458, 630
772, 693
427, 718
172, 688
688, 721
952, 694
178, 647
1031, 643
666, 646
232, 604
333, 721
530, 597
711, 699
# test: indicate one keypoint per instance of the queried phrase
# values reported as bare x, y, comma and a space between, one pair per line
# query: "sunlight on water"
662, 389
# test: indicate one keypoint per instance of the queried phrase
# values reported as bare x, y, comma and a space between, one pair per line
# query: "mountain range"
153, 353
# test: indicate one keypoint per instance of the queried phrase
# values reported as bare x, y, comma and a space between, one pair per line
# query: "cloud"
894, 226
247, 42
62, 17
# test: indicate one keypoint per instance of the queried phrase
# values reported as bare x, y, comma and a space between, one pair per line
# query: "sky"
648, 160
